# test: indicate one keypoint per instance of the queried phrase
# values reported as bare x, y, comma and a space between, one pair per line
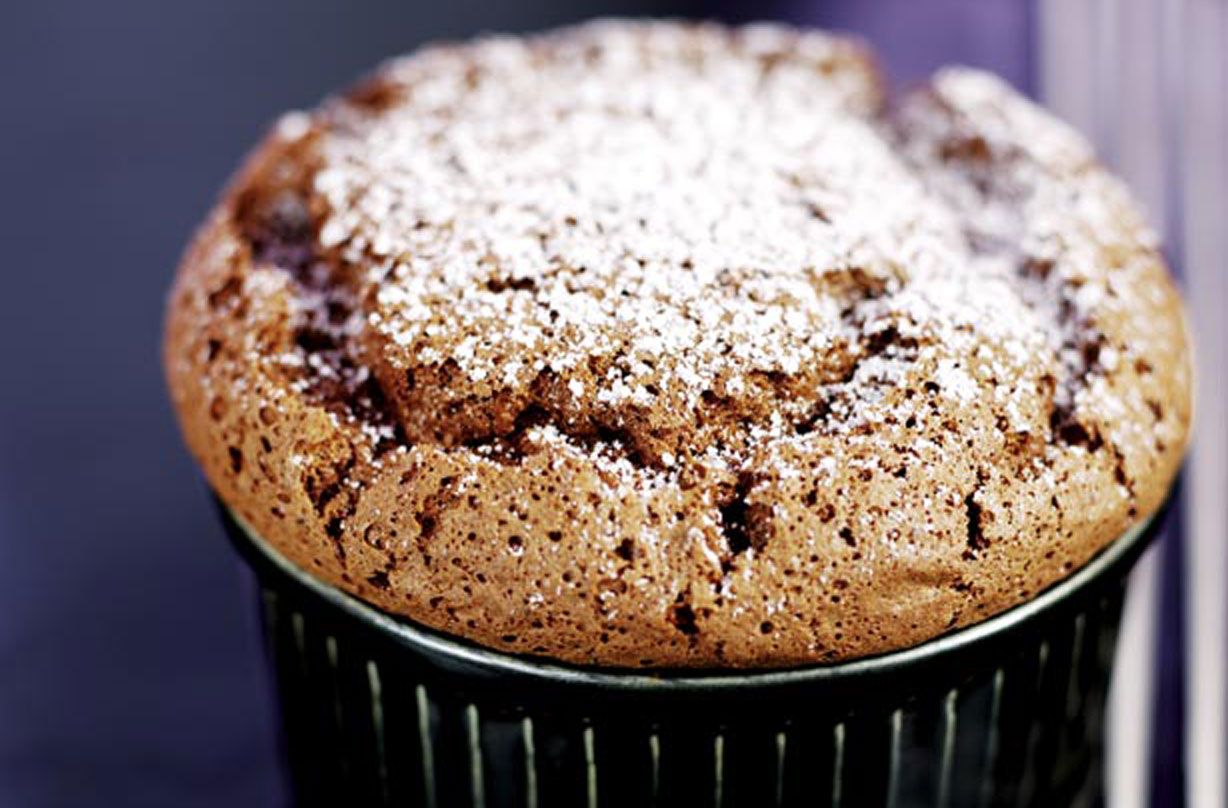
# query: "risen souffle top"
674, 345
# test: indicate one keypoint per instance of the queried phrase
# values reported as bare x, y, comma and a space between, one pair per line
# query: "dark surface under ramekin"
378, 711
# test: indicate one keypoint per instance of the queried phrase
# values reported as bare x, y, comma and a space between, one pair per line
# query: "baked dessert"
674, 345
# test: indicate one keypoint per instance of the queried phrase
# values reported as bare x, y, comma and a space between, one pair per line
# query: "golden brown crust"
929, 372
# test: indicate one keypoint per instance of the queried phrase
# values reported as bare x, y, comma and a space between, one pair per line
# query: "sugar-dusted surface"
665, 345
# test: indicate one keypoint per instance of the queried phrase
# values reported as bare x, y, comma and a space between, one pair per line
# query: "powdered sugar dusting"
653, 214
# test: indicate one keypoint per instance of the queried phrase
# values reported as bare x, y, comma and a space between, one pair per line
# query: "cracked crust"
665, 345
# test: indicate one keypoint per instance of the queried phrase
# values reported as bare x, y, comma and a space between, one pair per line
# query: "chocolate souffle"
662, 345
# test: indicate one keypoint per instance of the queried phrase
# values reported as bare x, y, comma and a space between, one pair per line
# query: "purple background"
132, 673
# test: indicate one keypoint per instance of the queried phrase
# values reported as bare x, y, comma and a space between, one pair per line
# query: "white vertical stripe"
1074, 689
1201, 37
782, 741
426, 745
949, 726
330, 648
1066, 79
893, 774
530, 763
1140, 110
1131, 700
1109, 88
473, 733
590, 766
991, 739
1028, 781
837, 766
376, 691
654, 749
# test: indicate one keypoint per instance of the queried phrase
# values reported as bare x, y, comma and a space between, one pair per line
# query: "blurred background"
131, 672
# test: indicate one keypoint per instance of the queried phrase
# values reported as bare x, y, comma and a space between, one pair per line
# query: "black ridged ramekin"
377, 711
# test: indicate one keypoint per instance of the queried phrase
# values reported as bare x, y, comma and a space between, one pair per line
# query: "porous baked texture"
674, 345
